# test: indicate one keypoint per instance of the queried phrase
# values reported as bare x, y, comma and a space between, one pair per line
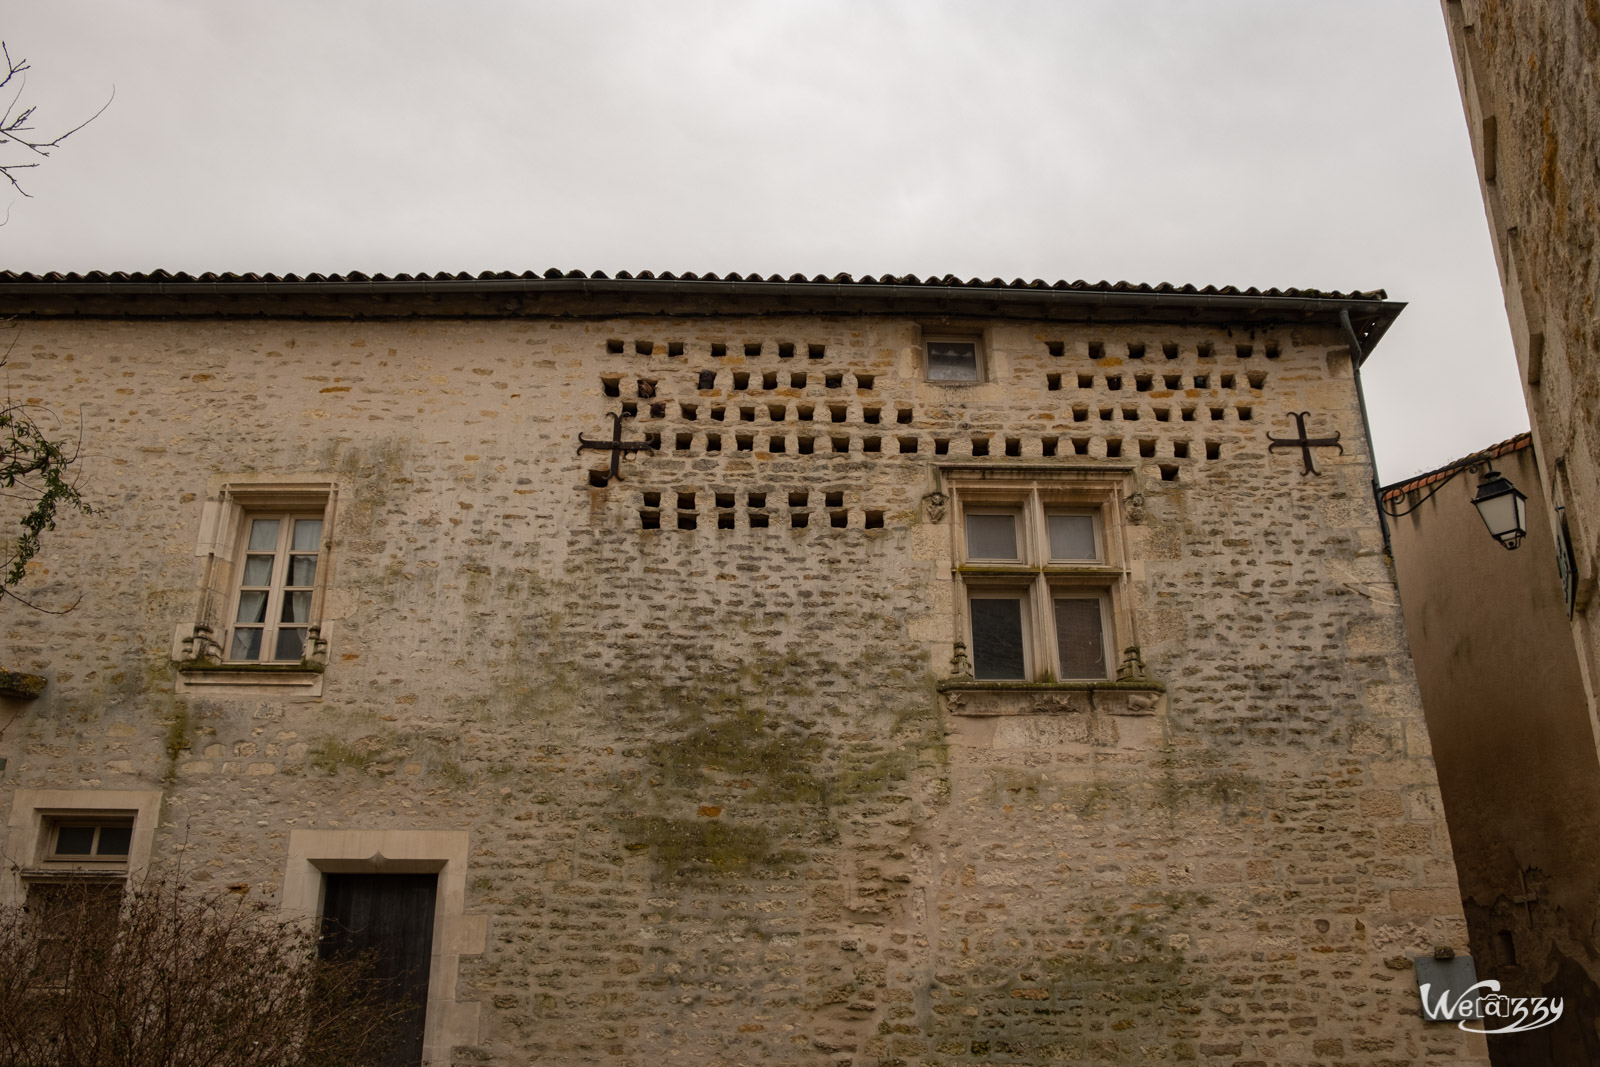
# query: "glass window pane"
302, 570
252, 606
246, 645
114, 840
296, 607
257, 570
1072, 537
952, 361
307, 535
264, 535
74, 840
992, 536
291, 644
997, 638
1079, 638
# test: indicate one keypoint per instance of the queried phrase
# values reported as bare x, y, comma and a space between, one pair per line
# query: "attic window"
952, 361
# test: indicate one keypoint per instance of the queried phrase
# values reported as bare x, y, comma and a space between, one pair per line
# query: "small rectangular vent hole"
874, 520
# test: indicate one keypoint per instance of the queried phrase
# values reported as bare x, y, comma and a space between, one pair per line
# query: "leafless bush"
92, 976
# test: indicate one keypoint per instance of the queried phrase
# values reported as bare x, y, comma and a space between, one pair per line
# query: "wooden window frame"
276, 587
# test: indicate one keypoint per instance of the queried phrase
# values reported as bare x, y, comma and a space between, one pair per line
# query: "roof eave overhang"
612, 297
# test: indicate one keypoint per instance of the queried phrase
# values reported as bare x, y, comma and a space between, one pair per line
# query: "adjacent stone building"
957, 674
1509, 723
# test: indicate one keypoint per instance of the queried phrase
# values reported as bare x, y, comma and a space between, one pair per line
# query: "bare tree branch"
15, 131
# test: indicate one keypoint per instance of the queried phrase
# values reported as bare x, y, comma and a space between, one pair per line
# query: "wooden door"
389, 916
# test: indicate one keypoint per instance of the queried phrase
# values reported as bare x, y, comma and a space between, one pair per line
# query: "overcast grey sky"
1268, 143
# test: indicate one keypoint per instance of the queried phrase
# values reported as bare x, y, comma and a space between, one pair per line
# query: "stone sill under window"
1135, 697
304, 677
69, 873
1052, 570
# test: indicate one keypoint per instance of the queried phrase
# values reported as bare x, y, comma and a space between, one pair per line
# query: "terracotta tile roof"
1433, 477
948, 281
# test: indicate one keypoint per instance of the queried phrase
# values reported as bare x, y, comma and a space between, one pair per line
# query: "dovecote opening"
1226, 381
658, 411
600, 479
652, 500
1080, 446
871, 415
725, 521
758, 520
874, 520
798, 498
674, 348
806, 445
777, 445
1097, 349
785, 350
1105, 414
653, 440
941, 446
1169, 472
1141, 382
841, 444
684, 442
1085, 381
980, 446
1113, 448
1135, 349
724, 500
833, 499
713, 442
1013, 446
1170, 349
1213, 449
707, 379
777, 412
645, 388
1163, 414
747, 414
741, 380
1114, 382
838, 412
717, 414
1180, 450
864, 381
686, 520
690, 412
1202, 381
1130, 414
1205, 350
769, 380
797, 380
1056, 348
1080, 414
799, 519
649, 520
838, 519
833, 381
1147, 447
1052, 382
719, 350
644, 348
685, 500
903, 416
1257, 379
1173, 381
1245, 413
1217, 414
908, 446
752, 349
1047, 445
755, 500
1244, 351
744, 442
611, 386
1188, 414
629, 408
816, 351
1273, 351
872, 444
614, 346
803, 412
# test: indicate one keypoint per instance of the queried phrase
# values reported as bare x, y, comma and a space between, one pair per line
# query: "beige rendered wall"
1517, 768
1530, 84
715, 808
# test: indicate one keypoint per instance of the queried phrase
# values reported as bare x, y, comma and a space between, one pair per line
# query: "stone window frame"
198, 647
1033, 574
979, 337
34, 815
315, 853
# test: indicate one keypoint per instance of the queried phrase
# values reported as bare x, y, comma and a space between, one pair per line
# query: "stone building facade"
961, 677
1529, 75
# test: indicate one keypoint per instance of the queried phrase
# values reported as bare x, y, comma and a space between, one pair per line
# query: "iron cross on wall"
1304, 443
616, 446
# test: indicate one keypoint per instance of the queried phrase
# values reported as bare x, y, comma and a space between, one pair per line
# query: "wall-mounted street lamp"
1504, 509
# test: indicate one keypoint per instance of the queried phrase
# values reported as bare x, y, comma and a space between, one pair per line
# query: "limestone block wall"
1528, 78
716, 808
